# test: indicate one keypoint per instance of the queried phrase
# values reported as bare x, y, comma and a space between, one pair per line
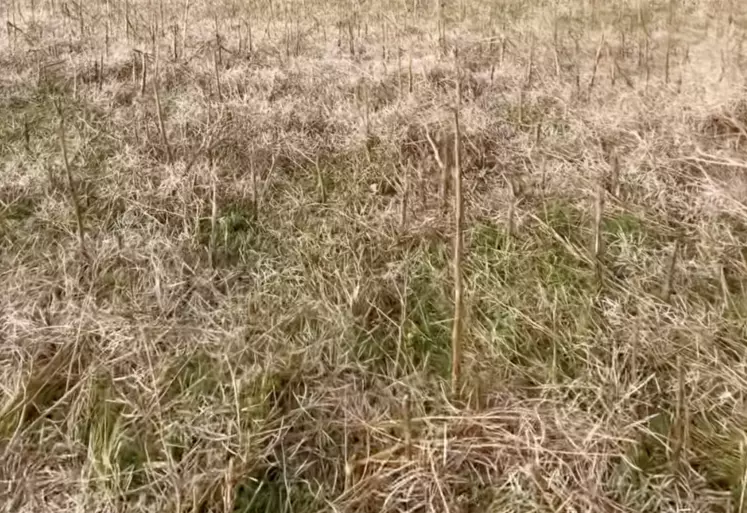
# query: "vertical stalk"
71, 184
456, 334
159, 113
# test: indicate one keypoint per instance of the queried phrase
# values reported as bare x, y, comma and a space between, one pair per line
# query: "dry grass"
260, 321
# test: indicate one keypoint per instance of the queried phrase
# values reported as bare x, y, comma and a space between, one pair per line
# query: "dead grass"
254, 325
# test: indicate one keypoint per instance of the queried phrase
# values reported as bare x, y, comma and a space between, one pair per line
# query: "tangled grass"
240, 318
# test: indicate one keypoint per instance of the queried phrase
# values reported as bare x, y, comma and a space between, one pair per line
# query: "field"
305, 256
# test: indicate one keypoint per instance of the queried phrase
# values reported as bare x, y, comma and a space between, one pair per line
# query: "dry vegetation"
231, 234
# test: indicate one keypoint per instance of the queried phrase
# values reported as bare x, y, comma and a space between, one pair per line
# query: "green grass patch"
17, 210
714, 452
623, 225
197, 376
238, 236
719, 455
627, 235
425, 341
271, 492
567, 220
533, 297
117, 448
428, 331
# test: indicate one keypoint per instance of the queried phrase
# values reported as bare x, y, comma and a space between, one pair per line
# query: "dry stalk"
185, 25
101, 72
143, 72
159, 114
287, 38
127, 20
530, 65
349, 467
444, 181
240, 36
546, 493
267, 180
422, 184
511, 215
680, 430
403, 332
320, 181
626, 78
409, 73
670, 23
367, 120
11, 35
511, 228
213, 218
218, 46
174, 44
255, 197
297, 39
555, 40
71, 184
250, 38
722, 73
107, 28
647, 59
26, 134
612, 61
346, 454
543, 181
366, 110
615, 175
441, 27
10, 22
682, 400
407, 425
399, 72
75, 81
209, 112
593, 12
351, 38
456, 334
634, 351
726, 295
641, 32
228, 487
683, 63
339, 33
577, 69
666, 290
216, 67
134, 67
81, 20
405, 196
384, 42
598, 246
597, 58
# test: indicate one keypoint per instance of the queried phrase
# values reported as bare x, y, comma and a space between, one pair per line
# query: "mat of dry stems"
226, 248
